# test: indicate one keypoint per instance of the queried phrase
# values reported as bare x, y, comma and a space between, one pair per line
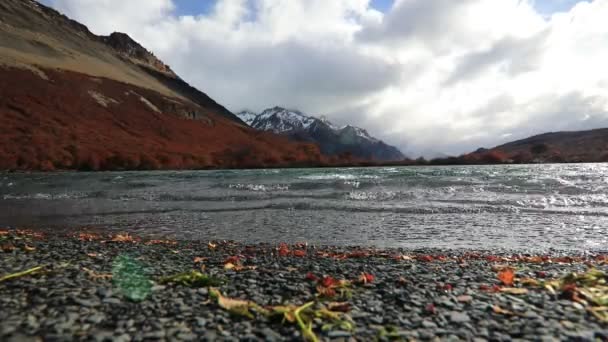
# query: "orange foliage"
506, 276
57, 124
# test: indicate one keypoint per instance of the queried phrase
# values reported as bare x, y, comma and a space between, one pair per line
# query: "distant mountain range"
331, 139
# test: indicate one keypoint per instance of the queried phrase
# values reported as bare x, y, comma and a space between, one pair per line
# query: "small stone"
186, 336
464, 299
271, 335
429, 324
112, 300
338, 334
201, 322
459, 317
156, 335
96, 318
86, 302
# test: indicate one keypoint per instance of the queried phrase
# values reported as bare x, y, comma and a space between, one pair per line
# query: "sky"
428, 76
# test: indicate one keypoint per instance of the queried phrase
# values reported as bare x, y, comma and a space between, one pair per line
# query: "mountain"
70, 99
332, 140
569, 146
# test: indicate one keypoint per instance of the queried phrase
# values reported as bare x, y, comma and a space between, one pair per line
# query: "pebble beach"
93, 287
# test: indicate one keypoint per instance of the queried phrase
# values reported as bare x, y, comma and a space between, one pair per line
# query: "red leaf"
431, 309
366, 278
329, 281
426, 258
311, 276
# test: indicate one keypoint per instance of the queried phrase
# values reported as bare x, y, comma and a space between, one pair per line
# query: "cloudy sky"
425, 75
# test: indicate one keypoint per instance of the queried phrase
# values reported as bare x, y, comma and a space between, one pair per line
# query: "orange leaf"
200, 259
506, 276
299, 253
211, 245
232, 260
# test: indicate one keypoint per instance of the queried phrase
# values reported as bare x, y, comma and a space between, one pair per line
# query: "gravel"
409, 298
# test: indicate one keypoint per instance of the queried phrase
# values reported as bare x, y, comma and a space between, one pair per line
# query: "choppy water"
521, 207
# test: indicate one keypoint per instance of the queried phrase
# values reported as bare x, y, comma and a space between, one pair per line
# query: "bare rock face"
127, 47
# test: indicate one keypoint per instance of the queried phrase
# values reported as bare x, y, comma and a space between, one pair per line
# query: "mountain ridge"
332, 140
73, 100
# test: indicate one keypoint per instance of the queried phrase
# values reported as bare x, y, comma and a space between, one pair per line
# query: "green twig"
21, 274
307, 332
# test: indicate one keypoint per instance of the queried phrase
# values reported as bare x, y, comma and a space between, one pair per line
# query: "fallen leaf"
92, 255
506, 276
299, 253
339, 306
529, 282
7, 247
199, 259
514, 290
498, 310
232, 260
366, 278
430, 308
192, 279
27, 248
310, 276
236, 306
123, 238
211, 245
96, 275
329, 281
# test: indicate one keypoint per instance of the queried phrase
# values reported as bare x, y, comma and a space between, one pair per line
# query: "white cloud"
429, 75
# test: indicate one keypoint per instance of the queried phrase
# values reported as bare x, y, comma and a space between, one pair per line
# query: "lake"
522, 207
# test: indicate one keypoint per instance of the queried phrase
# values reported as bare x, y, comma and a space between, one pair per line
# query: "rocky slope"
332, 140
72, 100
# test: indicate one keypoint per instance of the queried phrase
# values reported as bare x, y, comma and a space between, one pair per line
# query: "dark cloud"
513, 56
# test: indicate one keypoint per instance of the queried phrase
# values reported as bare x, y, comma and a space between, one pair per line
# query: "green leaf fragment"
131, 278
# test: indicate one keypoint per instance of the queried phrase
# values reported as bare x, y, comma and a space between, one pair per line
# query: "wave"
259, 187
338, 176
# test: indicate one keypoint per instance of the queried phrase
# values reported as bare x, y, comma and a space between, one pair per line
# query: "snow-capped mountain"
333, 140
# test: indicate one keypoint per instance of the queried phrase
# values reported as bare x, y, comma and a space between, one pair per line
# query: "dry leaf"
498, 310
95, 275
529, 282
339, 306
92, 255
200, 259
123, 238
514, 290
235, 306
211, 245
27, 248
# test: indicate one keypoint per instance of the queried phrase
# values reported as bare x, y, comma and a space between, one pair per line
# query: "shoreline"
120, 287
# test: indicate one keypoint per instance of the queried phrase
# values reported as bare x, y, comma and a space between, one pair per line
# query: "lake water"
519, 207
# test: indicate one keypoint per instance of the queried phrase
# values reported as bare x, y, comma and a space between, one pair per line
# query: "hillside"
554, 147
332, 140
73, 100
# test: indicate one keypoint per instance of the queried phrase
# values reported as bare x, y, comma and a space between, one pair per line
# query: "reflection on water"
523, 206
